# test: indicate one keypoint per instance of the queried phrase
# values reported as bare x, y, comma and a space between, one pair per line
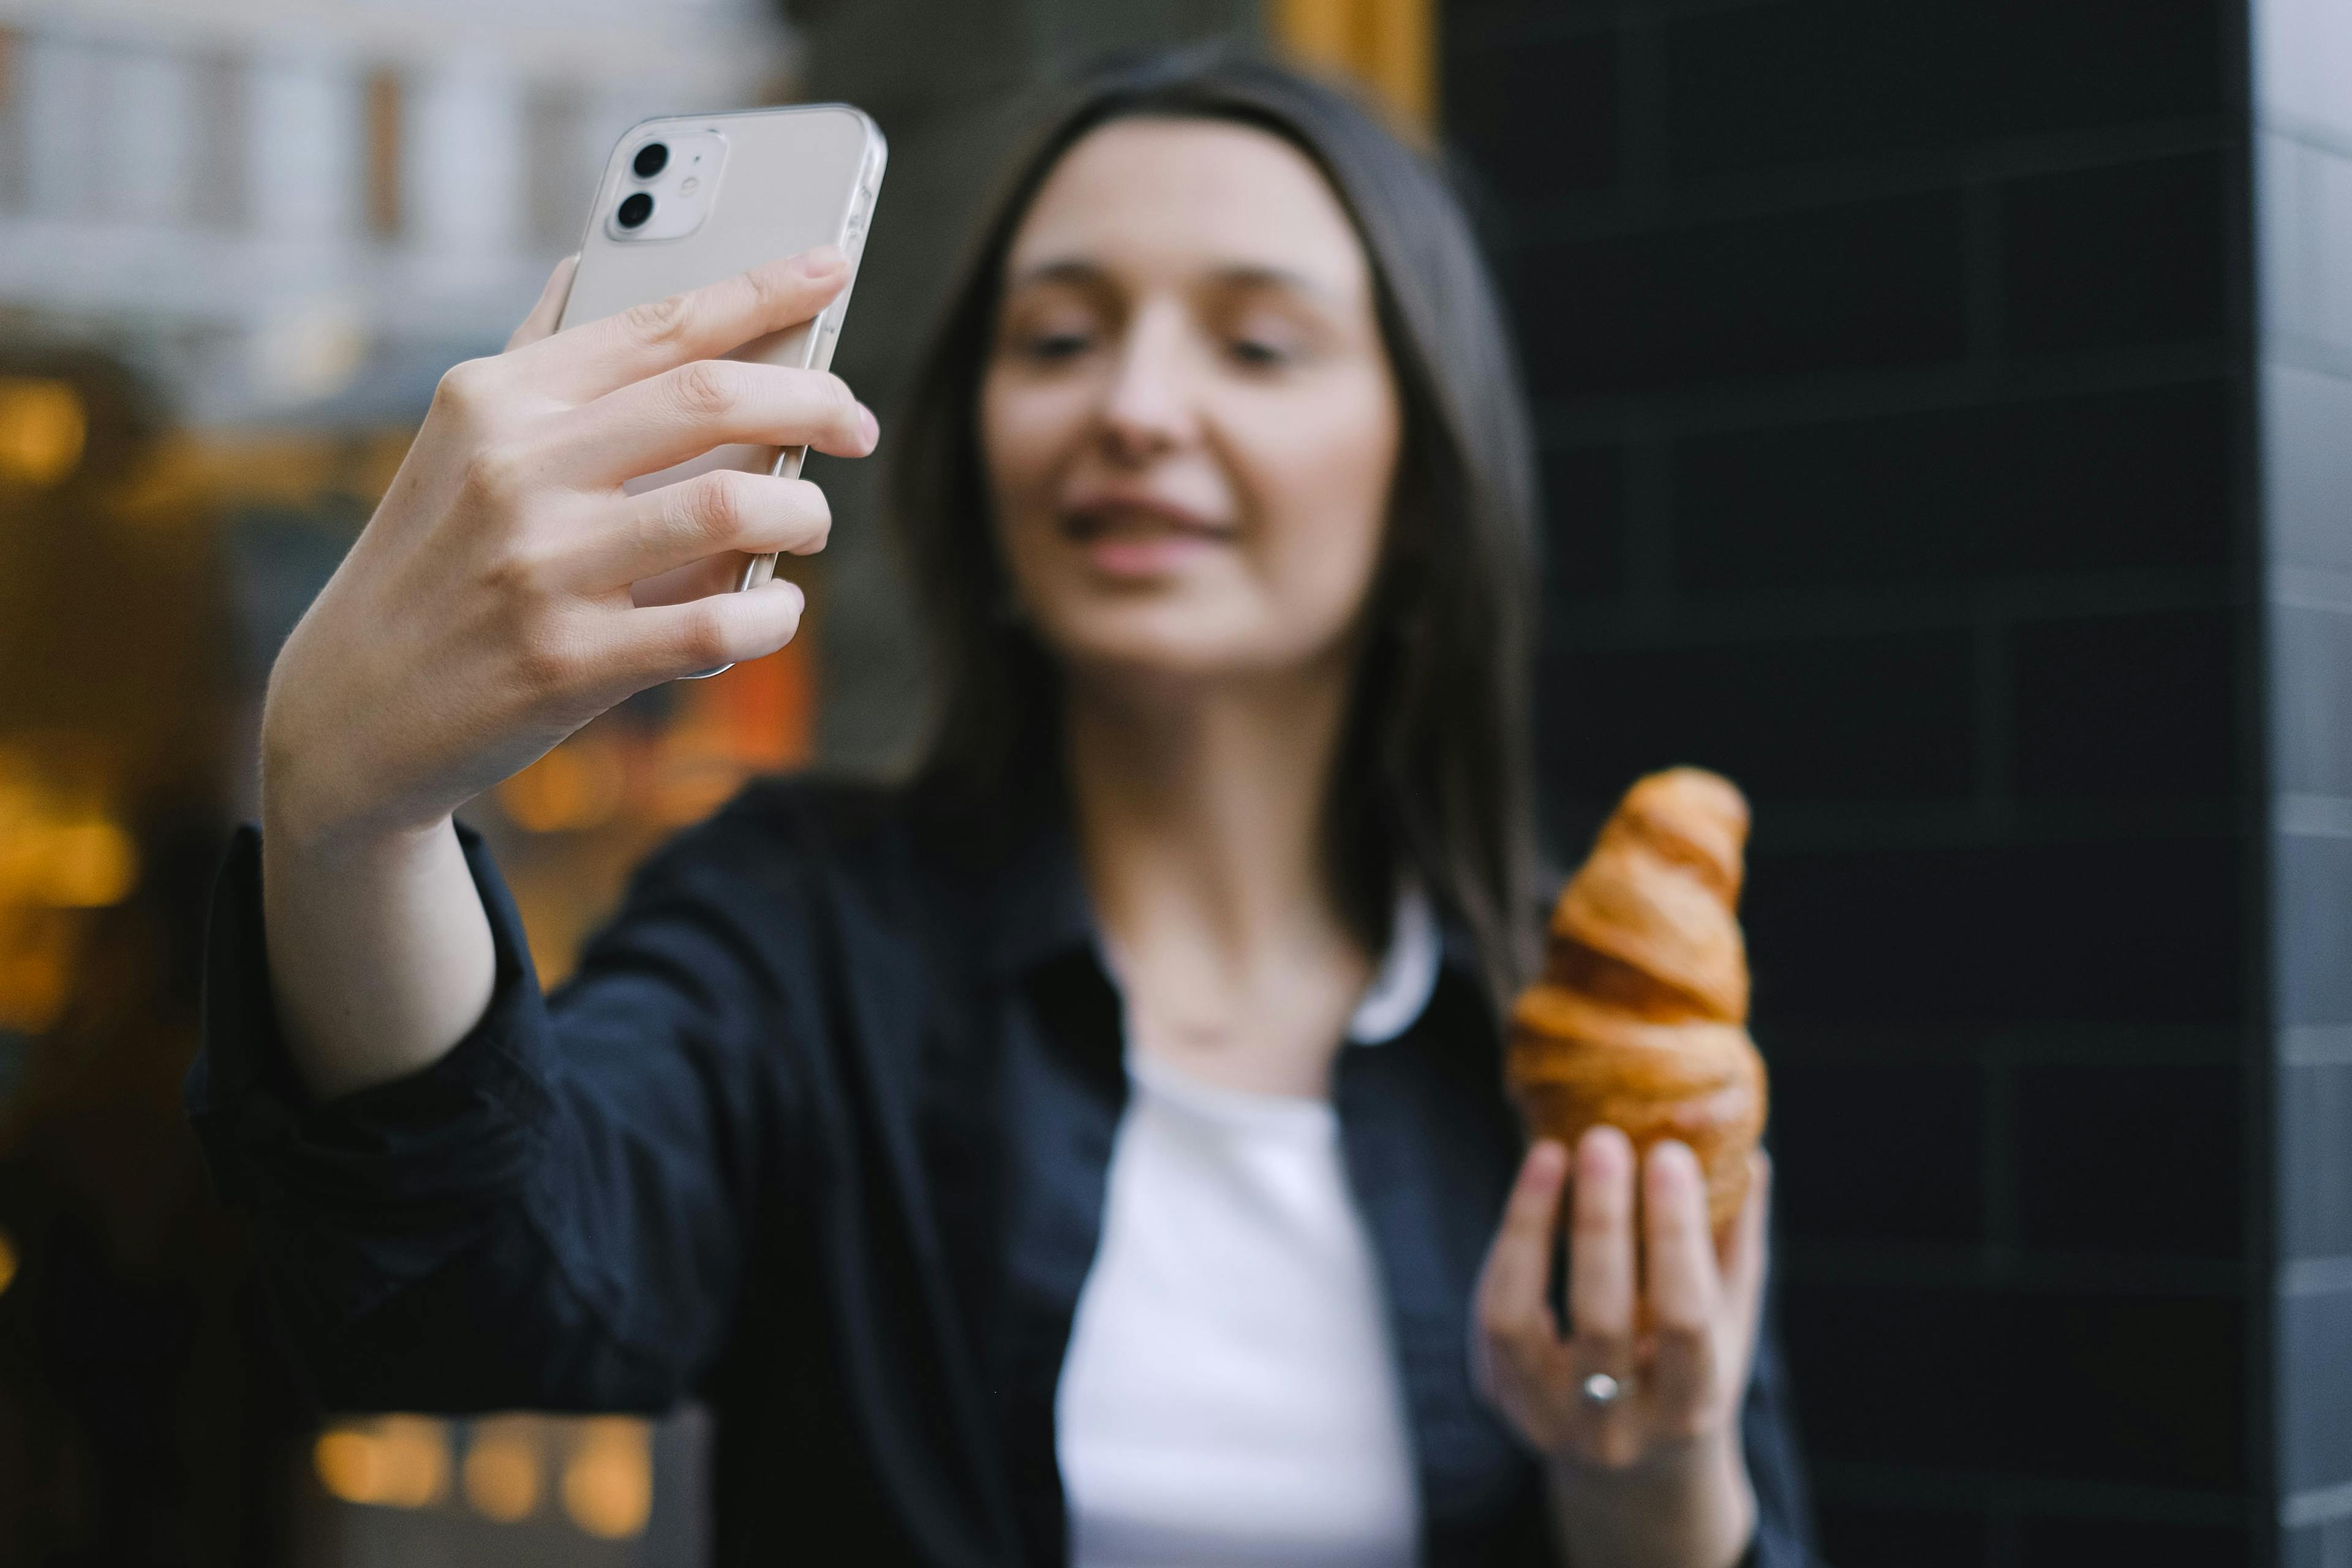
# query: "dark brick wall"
1894, 361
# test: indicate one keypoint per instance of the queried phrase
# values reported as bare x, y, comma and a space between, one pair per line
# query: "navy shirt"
818, 1133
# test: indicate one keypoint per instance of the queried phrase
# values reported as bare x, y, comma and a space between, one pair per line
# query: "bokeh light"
580, 784
608, 1481
393, 1461
83, 865
58, 848
43, 426
501, 1474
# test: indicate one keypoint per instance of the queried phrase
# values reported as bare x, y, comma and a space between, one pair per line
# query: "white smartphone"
689, 199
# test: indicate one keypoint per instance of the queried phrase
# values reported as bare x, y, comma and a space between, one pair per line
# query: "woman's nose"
1150, 408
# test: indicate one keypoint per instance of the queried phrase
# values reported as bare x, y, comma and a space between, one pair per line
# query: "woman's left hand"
1642, 1431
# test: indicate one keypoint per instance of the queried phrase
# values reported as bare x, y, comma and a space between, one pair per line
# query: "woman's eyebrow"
1072, 271
1259, 275
1077, 271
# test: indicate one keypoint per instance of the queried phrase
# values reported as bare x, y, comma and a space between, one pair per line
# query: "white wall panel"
147, 138
464, 157
305, 167
61, 94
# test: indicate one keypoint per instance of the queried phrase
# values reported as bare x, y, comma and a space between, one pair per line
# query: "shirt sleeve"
552, 1214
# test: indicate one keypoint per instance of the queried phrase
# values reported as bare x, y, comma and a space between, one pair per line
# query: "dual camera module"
638, 206
664, 188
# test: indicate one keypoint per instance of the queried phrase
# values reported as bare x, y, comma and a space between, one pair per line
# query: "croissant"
1639, 1019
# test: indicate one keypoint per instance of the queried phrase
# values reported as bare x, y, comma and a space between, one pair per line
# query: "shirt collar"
1400, 989
1038, 907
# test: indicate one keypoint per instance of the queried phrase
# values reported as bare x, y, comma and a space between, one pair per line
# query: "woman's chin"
1146, 657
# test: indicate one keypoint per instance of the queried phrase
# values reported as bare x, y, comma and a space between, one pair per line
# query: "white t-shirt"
1230, 1394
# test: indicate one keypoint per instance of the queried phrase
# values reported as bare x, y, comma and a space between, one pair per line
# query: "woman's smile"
1141, 537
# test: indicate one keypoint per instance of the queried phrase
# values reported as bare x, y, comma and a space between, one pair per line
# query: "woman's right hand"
487, 610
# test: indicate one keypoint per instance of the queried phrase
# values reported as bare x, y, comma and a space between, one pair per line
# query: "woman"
1094, 1148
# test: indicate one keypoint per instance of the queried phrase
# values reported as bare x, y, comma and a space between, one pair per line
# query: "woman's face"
1188, 419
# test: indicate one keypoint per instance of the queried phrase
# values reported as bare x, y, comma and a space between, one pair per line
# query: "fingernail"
1673, 1163
1602, 1145
867, 423
1545, 1163
823, 260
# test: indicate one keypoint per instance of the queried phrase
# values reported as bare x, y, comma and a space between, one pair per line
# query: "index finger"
597, 356
1518, 1266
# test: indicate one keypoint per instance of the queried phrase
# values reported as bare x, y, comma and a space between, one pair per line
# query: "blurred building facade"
306, 209
238, 245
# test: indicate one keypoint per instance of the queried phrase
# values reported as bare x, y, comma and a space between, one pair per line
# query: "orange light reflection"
608, 1482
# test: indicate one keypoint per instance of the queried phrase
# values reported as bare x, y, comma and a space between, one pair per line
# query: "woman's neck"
1200, 810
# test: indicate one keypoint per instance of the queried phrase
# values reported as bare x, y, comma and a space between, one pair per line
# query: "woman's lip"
1137, 516
1145, 555
1140, 537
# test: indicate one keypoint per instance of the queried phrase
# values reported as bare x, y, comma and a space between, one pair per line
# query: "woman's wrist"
1689, 1507
307, 814
297, 814
380, 951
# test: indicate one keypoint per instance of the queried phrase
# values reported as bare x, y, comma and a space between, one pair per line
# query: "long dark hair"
1431, 777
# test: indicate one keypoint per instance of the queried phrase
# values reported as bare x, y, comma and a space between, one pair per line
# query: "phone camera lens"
635, 210
651, 159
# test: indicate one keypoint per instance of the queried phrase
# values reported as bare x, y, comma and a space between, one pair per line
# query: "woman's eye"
1054, 346
1260, 352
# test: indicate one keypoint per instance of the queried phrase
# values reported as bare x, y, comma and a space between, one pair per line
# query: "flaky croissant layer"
1639, 1020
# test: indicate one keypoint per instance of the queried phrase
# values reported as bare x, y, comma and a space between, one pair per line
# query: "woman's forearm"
1696, 1509
380, 951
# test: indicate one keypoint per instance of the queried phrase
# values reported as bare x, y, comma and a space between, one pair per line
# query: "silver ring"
1603, 1390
